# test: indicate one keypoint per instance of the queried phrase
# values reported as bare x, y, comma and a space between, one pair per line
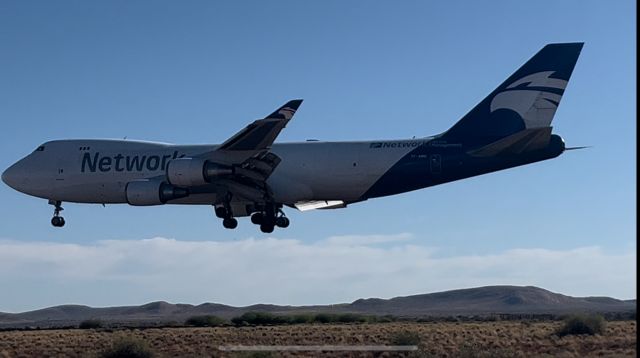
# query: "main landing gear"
269, 219
228, 221
57, 220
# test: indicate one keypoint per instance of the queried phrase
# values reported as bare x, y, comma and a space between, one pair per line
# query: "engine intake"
147, 192
189, 172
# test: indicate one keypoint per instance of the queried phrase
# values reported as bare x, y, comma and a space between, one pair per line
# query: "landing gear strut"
57, 220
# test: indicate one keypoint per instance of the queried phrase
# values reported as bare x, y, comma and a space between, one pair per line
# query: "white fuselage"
97, 171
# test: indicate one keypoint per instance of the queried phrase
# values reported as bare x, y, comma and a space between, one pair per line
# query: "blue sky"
199, 71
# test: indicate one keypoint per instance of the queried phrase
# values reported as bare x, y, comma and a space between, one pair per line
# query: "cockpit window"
40, 149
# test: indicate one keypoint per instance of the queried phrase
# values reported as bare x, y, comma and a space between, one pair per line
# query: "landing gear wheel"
230, 223
222, 212
57, 221
282, 222
257, 218
266, 228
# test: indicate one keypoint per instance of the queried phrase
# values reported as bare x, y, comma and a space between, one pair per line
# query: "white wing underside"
319, 204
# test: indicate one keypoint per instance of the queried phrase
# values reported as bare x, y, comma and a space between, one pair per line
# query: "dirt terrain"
441, 339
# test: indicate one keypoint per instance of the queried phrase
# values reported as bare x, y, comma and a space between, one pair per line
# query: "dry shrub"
205, 321
128, 347
90, 324
582, 324
404, 338
475, 350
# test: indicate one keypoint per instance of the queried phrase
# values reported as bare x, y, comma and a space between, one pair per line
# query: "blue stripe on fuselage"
411, 172
414, 170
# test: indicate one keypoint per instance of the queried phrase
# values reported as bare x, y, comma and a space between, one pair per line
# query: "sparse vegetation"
437, 339
323, 318
265, 318
302, 318
582, 324
128, 347
90, 324
205, 321
475, 350
404, 338
260, 318
254, 355
351, 318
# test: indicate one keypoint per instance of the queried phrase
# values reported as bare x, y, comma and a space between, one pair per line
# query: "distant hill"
491, 300
465, 302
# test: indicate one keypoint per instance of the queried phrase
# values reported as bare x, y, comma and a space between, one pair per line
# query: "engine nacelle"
189, 172
147, 192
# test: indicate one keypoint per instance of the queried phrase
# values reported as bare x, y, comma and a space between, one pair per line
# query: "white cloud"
242, 272
356, 240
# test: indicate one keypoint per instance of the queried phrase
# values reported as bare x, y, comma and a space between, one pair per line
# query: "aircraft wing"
247, 152
256, 138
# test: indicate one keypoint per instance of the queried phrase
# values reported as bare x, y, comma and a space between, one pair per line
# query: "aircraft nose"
12, 176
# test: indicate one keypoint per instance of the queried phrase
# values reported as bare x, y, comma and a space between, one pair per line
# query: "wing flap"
319, 204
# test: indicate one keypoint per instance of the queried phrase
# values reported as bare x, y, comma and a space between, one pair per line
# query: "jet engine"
146, 192
189, 172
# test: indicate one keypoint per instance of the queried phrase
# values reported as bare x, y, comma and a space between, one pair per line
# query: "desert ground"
437, 339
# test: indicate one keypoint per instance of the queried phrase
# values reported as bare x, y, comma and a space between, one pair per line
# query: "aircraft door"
60, 174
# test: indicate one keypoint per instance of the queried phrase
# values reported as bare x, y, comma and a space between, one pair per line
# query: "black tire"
55, 221
230, 223
282, 222
266, 228
62, 222
257, 218
221, 212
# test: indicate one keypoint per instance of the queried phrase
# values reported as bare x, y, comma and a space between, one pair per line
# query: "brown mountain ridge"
480, 301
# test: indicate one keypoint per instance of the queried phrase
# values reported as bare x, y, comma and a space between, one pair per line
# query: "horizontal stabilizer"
524, 141
576, 148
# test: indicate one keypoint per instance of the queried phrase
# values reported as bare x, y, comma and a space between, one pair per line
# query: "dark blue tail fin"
527, 99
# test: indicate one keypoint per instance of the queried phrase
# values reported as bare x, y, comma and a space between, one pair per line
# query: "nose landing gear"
57, 220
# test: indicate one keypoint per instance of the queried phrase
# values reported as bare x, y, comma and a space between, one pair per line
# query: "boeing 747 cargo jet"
249, 175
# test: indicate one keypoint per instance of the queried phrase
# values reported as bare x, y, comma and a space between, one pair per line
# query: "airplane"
250, 175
